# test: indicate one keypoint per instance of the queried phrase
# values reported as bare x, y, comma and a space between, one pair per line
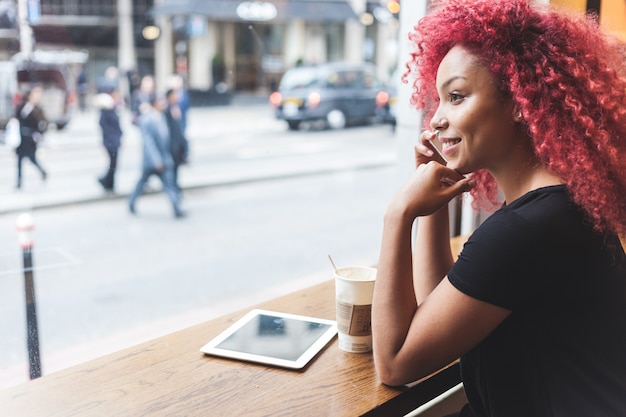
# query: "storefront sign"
256, 10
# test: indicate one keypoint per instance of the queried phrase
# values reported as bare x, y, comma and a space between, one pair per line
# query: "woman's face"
475, 122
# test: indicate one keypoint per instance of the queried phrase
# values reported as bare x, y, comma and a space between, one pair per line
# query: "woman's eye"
454, 97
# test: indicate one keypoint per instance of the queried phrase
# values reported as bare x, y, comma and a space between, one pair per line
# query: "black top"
179, 147
562, 350
111, 129
32, 125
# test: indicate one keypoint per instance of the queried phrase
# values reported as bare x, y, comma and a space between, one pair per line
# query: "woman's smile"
448, 145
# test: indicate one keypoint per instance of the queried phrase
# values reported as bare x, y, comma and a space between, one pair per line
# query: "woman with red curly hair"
528, 103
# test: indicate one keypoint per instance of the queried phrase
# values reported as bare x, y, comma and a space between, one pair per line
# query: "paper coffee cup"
354, 289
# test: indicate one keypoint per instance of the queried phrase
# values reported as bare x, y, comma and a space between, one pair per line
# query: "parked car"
338, 94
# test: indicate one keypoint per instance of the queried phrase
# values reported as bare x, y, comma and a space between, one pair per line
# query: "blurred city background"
267, 203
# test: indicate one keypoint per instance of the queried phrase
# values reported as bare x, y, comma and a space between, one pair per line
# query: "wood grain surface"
169, 376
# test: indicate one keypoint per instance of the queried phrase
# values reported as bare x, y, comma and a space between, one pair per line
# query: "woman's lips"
448, 144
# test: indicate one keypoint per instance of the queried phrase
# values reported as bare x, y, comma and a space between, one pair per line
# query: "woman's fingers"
426, 151
432, 186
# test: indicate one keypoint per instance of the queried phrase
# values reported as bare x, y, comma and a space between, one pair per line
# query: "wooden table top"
169, 376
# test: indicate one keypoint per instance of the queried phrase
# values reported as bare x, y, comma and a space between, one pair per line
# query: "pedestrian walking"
177, 83
157, 158
179, 146
32, 126
111, 134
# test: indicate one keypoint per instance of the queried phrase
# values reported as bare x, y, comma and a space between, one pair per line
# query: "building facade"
214, 44
247, 45
234, 45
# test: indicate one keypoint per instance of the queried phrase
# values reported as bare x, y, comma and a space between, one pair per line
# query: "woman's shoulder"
545, 216
542, 205
526, 218
542, 195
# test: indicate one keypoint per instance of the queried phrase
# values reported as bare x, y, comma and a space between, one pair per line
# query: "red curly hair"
563, 73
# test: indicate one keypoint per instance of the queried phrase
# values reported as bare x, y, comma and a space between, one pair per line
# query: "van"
338, 94
52, 70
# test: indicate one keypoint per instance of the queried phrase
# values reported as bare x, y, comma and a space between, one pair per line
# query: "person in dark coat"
32, 126
177, 83
179, 146
111, 135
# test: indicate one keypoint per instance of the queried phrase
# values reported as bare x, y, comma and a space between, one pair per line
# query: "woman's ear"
517, 115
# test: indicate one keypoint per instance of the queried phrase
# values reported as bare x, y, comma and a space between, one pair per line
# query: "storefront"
247, 45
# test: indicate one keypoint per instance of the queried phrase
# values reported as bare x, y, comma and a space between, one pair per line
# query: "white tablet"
273, 338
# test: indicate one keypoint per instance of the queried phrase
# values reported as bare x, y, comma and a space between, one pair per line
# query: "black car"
338, 94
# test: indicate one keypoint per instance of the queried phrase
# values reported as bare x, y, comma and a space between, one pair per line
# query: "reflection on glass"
278, 337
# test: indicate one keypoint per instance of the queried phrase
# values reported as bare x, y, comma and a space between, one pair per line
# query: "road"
228, 145
106, 279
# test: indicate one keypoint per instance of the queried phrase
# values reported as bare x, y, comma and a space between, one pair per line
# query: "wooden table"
169, 376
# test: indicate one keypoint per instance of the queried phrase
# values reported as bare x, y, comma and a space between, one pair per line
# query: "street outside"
266, 207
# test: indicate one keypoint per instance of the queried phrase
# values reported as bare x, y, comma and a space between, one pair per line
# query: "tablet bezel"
314, 348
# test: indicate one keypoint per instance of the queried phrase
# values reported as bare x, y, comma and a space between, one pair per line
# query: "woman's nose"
438, 123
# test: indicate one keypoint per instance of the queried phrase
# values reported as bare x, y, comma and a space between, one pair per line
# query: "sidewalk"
74, 157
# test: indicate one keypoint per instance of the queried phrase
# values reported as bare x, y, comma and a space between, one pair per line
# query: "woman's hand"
426, 151
432, 185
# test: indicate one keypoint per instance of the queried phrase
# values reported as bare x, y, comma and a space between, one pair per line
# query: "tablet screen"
273, 338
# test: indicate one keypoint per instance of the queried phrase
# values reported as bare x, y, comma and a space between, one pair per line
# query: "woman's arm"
421, 322
395, 300
432, 257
